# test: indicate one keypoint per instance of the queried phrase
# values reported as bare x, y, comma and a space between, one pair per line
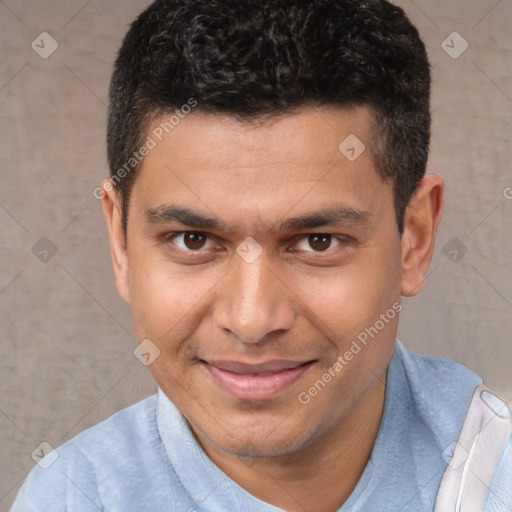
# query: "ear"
112, 207
422, 219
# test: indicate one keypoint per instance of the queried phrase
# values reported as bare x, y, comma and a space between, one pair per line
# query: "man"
267, 208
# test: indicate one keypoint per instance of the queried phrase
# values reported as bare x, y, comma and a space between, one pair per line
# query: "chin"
255, 442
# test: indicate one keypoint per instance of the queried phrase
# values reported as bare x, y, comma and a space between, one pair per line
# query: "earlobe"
112, 207
422, 219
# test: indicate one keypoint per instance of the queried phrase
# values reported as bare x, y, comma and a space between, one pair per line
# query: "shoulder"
440, 393
435, 395
500, 494
442, 375
72, 476
436, 382
131, 427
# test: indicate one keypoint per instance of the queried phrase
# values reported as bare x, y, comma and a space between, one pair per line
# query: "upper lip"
274, 366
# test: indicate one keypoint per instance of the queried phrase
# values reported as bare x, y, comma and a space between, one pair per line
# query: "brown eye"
194, 240
191, 244
319, 242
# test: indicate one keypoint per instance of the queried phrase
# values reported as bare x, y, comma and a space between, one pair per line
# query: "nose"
253, 302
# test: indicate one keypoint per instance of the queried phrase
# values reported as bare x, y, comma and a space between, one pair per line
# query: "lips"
255, 381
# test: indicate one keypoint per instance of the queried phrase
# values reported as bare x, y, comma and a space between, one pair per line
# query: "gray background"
67, 344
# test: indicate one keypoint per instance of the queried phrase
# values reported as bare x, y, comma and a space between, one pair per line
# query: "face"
258, 258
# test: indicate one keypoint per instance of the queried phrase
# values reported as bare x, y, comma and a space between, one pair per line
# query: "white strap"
483, 438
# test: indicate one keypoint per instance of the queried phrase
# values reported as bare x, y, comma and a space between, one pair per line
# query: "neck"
319, 477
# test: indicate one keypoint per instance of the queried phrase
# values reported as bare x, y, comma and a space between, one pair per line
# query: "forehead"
305, 160
298, 136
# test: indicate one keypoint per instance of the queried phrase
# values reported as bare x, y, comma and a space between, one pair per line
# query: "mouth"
256, 381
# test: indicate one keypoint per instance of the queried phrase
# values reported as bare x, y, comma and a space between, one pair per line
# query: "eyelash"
168, 239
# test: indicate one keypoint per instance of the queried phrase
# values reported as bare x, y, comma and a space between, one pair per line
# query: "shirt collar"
208, 486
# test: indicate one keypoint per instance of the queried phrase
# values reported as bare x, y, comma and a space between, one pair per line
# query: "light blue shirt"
145, 458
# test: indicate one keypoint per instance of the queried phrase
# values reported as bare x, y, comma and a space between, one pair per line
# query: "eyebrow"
336, 215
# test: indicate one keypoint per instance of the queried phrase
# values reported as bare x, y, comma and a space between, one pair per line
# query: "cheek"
351, 298
167, 305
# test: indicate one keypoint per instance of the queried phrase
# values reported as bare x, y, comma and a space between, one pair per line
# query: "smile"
255, 382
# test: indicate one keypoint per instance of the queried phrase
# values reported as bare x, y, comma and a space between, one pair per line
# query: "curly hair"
260, 58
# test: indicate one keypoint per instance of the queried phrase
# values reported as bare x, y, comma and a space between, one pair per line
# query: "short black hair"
260, 58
